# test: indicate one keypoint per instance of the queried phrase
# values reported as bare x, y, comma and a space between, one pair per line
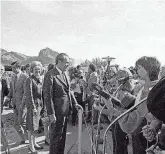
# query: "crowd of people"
53, 97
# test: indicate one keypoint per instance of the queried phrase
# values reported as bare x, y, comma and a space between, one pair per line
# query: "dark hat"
16, 63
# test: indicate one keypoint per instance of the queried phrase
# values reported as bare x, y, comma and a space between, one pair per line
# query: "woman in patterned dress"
34, 103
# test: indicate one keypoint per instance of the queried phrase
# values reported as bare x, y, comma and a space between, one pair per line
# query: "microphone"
127, 101
106, 95
125, 79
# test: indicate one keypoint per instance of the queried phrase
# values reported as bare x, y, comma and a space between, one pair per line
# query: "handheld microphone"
127, 101
125, 79
106, 95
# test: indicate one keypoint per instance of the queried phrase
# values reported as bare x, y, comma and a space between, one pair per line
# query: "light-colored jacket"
17, 90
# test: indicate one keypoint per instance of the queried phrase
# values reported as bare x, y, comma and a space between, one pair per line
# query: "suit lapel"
60, 78
67, 79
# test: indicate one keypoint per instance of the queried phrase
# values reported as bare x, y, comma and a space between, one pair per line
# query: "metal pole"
98, 129
80, 112
92, 121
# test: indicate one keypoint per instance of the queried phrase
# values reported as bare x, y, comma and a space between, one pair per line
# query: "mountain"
8, 57
3, 51
45, 56
19, 56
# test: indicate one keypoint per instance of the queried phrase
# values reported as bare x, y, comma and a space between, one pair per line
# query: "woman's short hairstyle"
34, 64
92, 67
151, 65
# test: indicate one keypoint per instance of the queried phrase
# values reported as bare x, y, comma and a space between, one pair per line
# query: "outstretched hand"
52, 118
78, 107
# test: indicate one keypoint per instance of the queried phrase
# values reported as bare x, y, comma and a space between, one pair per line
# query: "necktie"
15, 81
63, 76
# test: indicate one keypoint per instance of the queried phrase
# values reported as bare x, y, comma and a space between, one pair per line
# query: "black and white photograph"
82, 76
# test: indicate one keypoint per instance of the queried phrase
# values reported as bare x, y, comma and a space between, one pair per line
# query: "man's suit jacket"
17, 90
58, 96
4, 91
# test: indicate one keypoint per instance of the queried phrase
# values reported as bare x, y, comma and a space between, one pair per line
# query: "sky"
124, 29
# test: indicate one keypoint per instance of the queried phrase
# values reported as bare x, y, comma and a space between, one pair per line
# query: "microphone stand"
80, 112
119, 117
92, 122
98, 129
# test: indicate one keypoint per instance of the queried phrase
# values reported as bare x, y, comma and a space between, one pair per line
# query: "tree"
85, 63
99, 62
96, 61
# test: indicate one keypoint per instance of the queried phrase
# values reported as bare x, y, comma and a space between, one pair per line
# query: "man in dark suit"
4, 86
16, 94
59, 99
4, 92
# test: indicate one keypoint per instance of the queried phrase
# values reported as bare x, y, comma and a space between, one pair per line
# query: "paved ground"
71, 146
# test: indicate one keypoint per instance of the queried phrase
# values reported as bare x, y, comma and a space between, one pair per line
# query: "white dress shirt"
58, 70
18, 75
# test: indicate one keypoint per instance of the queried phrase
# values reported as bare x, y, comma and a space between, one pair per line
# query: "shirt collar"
18, 75
58, 70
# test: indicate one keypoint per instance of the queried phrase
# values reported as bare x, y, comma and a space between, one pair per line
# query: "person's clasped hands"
52, 118
149, 133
